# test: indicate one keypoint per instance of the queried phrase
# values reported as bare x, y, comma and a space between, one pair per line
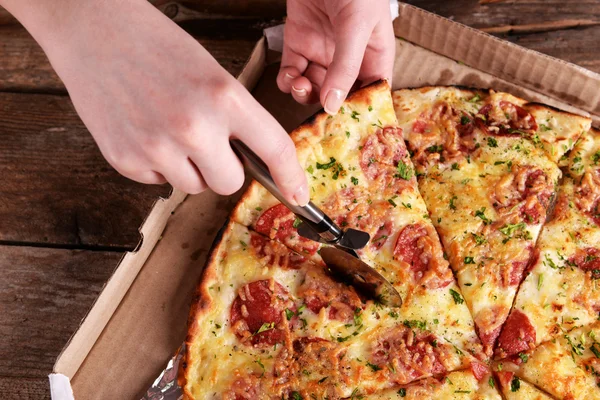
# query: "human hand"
158, 105
329, 44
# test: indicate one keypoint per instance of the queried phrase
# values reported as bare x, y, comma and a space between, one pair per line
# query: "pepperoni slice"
382, 235
408, 354
479, 370
518, 335
259, 307
416, 247
507, 118
588, 259
518, 268
273, 253
278, 223
319, 291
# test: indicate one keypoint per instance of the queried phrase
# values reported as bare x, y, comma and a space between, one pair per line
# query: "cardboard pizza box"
139, 319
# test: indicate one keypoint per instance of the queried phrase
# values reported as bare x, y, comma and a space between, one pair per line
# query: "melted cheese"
457, 385
556, 296
559, 366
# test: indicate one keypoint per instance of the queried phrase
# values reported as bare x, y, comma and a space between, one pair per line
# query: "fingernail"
301, 196
289, 77
333, 101
299, 92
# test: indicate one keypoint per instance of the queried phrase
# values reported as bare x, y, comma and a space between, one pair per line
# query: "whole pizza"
484, 213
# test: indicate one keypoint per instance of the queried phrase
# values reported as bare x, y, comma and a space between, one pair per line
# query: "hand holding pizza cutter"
340, 254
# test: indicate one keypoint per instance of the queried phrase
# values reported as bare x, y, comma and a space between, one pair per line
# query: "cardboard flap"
552, 77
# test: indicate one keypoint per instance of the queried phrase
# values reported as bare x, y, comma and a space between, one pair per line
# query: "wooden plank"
57, 189
24, 388
228, 8
44, 294
23, 64
505, 13
25, 68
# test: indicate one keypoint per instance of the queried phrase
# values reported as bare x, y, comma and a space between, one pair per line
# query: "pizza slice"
456, 385
278, 324
487, 184
377, 193
561, 291
567, 367
514, 388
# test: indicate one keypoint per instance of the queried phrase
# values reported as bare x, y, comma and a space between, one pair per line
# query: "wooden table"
66, 217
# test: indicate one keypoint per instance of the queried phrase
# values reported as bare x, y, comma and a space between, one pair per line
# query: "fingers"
380, 55
351, 42
306, 89
261, 132
292, 66
221, 169
182, 174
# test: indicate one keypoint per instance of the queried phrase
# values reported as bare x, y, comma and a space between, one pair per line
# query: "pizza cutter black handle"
309, 214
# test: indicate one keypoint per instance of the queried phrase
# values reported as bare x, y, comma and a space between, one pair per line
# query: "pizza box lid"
139, 320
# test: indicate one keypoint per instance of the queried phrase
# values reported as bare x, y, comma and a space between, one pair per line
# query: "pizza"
454, 187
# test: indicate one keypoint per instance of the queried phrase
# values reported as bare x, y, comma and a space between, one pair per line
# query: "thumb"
351, 39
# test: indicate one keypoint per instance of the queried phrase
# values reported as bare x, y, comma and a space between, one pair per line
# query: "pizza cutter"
340, 253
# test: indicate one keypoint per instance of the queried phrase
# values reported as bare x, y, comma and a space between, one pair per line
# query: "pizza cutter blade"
362, 276
340, 256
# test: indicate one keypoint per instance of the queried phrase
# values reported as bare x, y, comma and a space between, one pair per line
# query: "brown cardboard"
139, 320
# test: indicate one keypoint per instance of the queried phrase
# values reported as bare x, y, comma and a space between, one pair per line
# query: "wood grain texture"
44, 294
13, 388
56, 187
25, 68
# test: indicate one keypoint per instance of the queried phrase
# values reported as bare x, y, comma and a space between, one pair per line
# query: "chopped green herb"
457, 297
515, 384
354, 180
464, 120
544, 128
265, 327
260, 364
475, 98
347, 134
392, 202
491, 382
455, 167
355, 115
243, 243
436, 148
289, 314
402, 392
452, 205
469, 260
479, 239
540, 281
296, 396
258, 208
374, 367
310, 169
481, 214
524, 357
492, 142
297, 223
328, 165
404, 171
595, 348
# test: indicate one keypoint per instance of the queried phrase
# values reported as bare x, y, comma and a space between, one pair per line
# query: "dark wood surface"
66, 217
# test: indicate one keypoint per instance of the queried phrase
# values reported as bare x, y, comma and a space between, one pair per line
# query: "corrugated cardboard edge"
500, 58
82, 341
